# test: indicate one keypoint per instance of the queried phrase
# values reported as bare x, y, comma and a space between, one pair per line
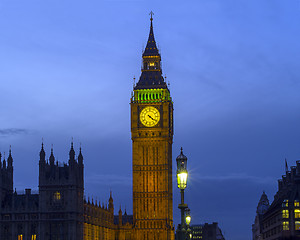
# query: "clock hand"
150, 117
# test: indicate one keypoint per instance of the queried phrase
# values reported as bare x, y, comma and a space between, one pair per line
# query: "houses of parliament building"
60, 212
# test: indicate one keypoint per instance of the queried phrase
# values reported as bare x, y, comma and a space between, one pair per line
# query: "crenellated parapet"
98, 220
290, 178
97, 214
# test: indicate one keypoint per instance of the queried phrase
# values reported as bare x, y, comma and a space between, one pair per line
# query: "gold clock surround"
149, 116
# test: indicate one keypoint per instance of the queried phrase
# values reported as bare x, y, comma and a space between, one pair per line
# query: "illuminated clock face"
149, 116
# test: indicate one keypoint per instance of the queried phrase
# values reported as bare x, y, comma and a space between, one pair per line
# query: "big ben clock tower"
152, 137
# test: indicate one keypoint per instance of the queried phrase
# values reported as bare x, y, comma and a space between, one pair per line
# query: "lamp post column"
182, 175
182, 206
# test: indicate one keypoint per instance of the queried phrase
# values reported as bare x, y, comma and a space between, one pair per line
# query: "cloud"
13, 131
109, 179
236, 177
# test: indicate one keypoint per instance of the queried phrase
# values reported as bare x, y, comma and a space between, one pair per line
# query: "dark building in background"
59, 210
207, 232
262, 207
280, 220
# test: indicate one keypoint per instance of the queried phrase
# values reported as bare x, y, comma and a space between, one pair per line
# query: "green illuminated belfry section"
151, 86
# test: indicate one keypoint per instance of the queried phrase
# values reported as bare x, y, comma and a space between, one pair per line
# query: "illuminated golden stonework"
152, 138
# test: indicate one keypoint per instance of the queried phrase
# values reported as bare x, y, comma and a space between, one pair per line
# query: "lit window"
285, 226
297, 213
33, 237
152, 64
57, 196
296, 203
285, 213
20, 237
297, 225
285, 203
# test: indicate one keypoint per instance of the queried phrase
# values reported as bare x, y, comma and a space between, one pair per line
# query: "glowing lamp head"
182, 173
182, 179
188, 217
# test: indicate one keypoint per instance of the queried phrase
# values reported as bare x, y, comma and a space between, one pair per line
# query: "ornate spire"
9, 159
151, 49
72, 152
51, 158
151, 77
80, 157
110, 201
42, 153
4, 161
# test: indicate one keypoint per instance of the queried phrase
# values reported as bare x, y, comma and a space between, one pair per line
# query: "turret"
4, 162
42, 155
120, 217
9, 159
111, 203
6, 178
71, 154
10, 172
80, 157
52, 158
263, 204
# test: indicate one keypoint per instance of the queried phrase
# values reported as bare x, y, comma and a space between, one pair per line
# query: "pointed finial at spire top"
181, 149
151, 14
9, 155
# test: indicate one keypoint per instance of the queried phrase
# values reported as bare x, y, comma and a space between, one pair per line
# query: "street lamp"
188, 221
182, 175
188, 216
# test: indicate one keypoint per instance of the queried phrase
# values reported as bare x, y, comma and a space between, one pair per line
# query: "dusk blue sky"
67, 68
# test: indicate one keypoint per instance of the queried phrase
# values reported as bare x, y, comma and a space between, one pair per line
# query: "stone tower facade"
6, 176
262, 207
152, 138
61, 197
